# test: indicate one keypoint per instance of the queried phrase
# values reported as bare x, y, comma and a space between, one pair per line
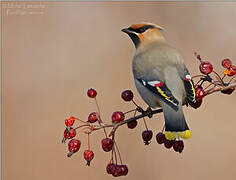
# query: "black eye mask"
141, 29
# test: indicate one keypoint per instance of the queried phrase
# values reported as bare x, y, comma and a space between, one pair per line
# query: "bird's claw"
149, 112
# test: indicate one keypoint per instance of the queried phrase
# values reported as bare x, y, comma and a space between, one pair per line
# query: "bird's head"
143, 33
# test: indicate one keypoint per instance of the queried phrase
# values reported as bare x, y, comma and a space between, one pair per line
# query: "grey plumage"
160, 77
161, 66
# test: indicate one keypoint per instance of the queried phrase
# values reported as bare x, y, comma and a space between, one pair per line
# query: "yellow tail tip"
170, 135
173, 135
186, 134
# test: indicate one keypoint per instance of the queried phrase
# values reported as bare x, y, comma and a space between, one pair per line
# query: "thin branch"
116, 125
99, 116
221, 88
218, 77
232, 78
148, 113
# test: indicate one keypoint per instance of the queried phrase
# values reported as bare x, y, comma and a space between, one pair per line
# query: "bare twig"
232, 78
147, 113
221, 88
116, 125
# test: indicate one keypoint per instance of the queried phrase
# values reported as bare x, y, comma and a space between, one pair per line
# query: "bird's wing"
155, 83
188, 82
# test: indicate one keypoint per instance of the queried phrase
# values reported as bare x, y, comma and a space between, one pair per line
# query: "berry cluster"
108, 144
209, 82
178, 145
117, 170
206, 68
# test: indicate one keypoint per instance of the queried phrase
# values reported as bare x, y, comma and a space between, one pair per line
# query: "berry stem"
135, 103
104, 131
82, 126
163, 128
80, 120
232, 79
198, 82
145, 123
113, 148
201, 83
112, 151
99, 112
115, 155
135, 112
218, 77
87, 132
198, 76
208, 86
223, 77
118, 152
88, 141
130, 111
99, 116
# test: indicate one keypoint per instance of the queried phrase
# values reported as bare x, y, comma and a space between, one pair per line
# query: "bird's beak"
126, 30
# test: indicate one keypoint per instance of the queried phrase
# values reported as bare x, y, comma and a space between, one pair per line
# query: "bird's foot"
149, 112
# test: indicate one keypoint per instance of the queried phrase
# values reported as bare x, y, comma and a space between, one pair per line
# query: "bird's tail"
175, 124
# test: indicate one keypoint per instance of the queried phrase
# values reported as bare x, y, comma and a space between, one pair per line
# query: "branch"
221, 88
149, 113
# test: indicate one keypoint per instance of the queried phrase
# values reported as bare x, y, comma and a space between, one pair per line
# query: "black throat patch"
135, 39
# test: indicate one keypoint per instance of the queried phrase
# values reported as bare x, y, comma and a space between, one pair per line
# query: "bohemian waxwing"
161, 77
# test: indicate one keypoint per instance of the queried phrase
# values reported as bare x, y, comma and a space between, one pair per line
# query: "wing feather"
161, 90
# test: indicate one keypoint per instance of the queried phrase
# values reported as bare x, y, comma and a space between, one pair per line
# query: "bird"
161, 77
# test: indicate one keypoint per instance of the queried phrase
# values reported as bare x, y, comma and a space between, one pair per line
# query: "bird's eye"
141, 30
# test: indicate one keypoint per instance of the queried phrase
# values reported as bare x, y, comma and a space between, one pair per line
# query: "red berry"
197, 104
178, 146
160, 137
132, 124
88, 156
232, 70
200, 93
147, 136
69, 133
73, 146
93, 117
206, 67
226, 63
127, 95
117, 172
107, 144
92, 93
168, 143
110, 168
70, 121
228, 91
124, 170
117, 116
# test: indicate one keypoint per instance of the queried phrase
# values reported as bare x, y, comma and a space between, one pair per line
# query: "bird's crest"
140, 25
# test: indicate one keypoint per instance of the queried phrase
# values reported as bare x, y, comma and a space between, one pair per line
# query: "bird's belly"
151, 99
